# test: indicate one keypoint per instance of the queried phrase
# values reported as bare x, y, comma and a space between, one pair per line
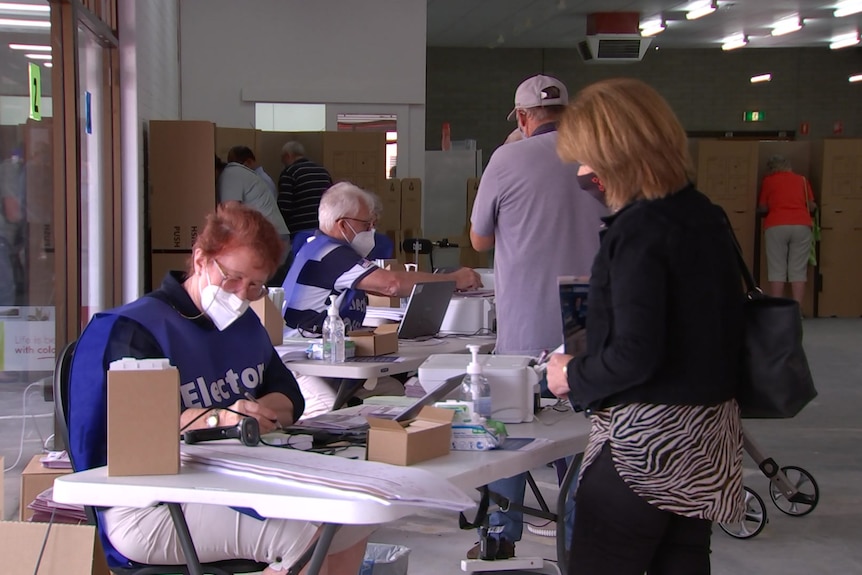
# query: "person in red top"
787, 202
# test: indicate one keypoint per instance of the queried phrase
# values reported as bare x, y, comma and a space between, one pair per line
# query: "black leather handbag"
775, 379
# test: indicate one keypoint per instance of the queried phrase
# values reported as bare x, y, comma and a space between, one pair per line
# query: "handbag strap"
747, 276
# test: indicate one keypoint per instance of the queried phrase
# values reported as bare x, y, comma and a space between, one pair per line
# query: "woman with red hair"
199, 320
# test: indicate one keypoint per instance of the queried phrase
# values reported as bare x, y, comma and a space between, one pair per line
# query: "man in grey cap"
530, 209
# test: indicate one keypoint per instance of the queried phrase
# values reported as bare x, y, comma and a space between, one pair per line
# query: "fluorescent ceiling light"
844, 41
761, 78
855, 78
700, 11
39, 56
847, 8
30, 47
734, 42
48, 64
18, 7
786, 26
24, 23
652, 27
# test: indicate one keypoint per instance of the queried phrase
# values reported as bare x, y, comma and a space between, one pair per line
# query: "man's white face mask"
362, 242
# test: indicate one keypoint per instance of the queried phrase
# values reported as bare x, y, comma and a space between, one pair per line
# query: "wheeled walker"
792, 489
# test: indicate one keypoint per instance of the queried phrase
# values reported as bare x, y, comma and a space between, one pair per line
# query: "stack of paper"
384, 313
56, 460
44, 505
378, 480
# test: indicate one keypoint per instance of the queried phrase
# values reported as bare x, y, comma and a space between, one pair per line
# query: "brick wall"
473, 89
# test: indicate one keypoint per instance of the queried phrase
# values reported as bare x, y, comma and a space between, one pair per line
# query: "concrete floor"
824, 439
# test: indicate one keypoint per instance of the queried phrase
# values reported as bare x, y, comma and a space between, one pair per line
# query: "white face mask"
363, 242
222, 307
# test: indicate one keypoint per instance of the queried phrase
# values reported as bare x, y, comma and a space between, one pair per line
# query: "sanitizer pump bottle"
333, 334
475, 388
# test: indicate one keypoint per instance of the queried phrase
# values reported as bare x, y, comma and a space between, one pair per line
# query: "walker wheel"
752, 522
807, 492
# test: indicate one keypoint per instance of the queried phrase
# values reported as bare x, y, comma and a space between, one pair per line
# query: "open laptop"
426, 309
352, 420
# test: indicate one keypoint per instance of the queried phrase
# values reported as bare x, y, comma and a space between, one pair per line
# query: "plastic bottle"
333, 334
475, 388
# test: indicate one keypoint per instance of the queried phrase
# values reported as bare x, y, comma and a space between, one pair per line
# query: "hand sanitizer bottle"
475, 388
333, 334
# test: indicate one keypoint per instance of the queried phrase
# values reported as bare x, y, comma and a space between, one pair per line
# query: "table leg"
322, 548
347, 388
185, 537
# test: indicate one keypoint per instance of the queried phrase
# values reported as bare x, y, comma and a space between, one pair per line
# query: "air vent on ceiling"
614, 48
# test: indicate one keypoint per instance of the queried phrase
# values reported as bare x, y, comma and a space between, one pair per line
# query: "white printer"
513, 381
469, 315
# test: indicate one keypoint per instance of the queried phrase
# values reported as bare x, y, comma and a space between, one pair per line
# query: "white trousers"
219, 533
319, 393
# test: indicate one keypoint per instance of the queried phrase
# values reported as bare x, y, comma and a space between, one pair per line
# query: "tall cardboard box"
64, 549
34, 480
143, 428
182, 181
358, 157
164, 261
271, 319
227, 138
390, 196
727, 173
411, 204
837, 165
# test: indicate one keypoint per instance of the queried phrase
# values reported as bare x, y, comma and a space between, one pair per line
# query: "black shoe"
500, 549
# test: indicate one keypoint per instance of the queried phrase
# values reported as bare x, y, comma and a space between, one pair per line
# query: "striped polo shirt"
324, 266
300, 186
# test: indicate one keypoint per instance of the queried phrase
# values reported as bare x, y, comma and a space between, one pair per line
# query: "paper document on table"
379, 480
390, 313
293, 350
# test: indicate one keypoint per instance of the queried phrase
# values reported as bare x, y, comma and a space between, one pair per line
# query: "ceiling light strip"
855, 78
734, 42
15, 23
700, 11
652, 28
761, 78
39, 56
787, 26
844, 41
18, 7
30, 47
847, 9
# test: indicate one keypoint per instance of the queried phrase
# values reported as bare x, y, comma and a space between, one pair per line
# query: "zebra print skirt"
685, 459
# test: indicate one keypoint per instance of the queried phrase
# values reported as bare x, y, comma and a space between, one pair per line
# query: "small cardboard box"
383, 301
64, 549
143, 428
383, 340
271, 318
35, 478
426, 437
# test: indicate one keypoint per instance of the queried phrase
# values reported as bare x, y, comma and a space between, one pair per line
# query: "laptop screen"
426, 309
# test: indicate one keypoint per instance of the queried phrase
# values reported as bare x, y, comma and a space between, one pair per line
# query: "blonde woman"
658, 378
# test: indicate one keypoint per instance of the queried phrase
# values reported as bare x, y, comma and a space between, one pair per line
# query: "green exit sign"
753, 116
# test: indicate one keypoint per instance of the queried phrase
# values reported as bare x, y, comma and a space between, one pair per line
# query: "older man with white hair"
334, 262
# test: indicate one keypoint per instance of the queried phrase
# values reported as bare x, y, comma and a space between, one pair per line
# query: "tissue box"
426, 437
143, 427
383, 340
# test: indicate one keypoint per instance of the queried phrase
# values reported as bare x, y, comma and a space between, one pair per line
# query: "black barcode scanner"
247, 431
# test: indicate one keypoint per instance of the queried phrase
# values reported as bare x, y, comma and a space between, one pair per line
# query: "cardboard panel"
68, 549
227, 138
358, 157
841, 288
182, 181
390, 195
727, 173
411, 203
162, 263
268, 148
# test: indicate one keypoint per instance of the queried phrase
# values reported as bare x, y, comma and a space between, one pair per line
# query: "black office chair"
61, 409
